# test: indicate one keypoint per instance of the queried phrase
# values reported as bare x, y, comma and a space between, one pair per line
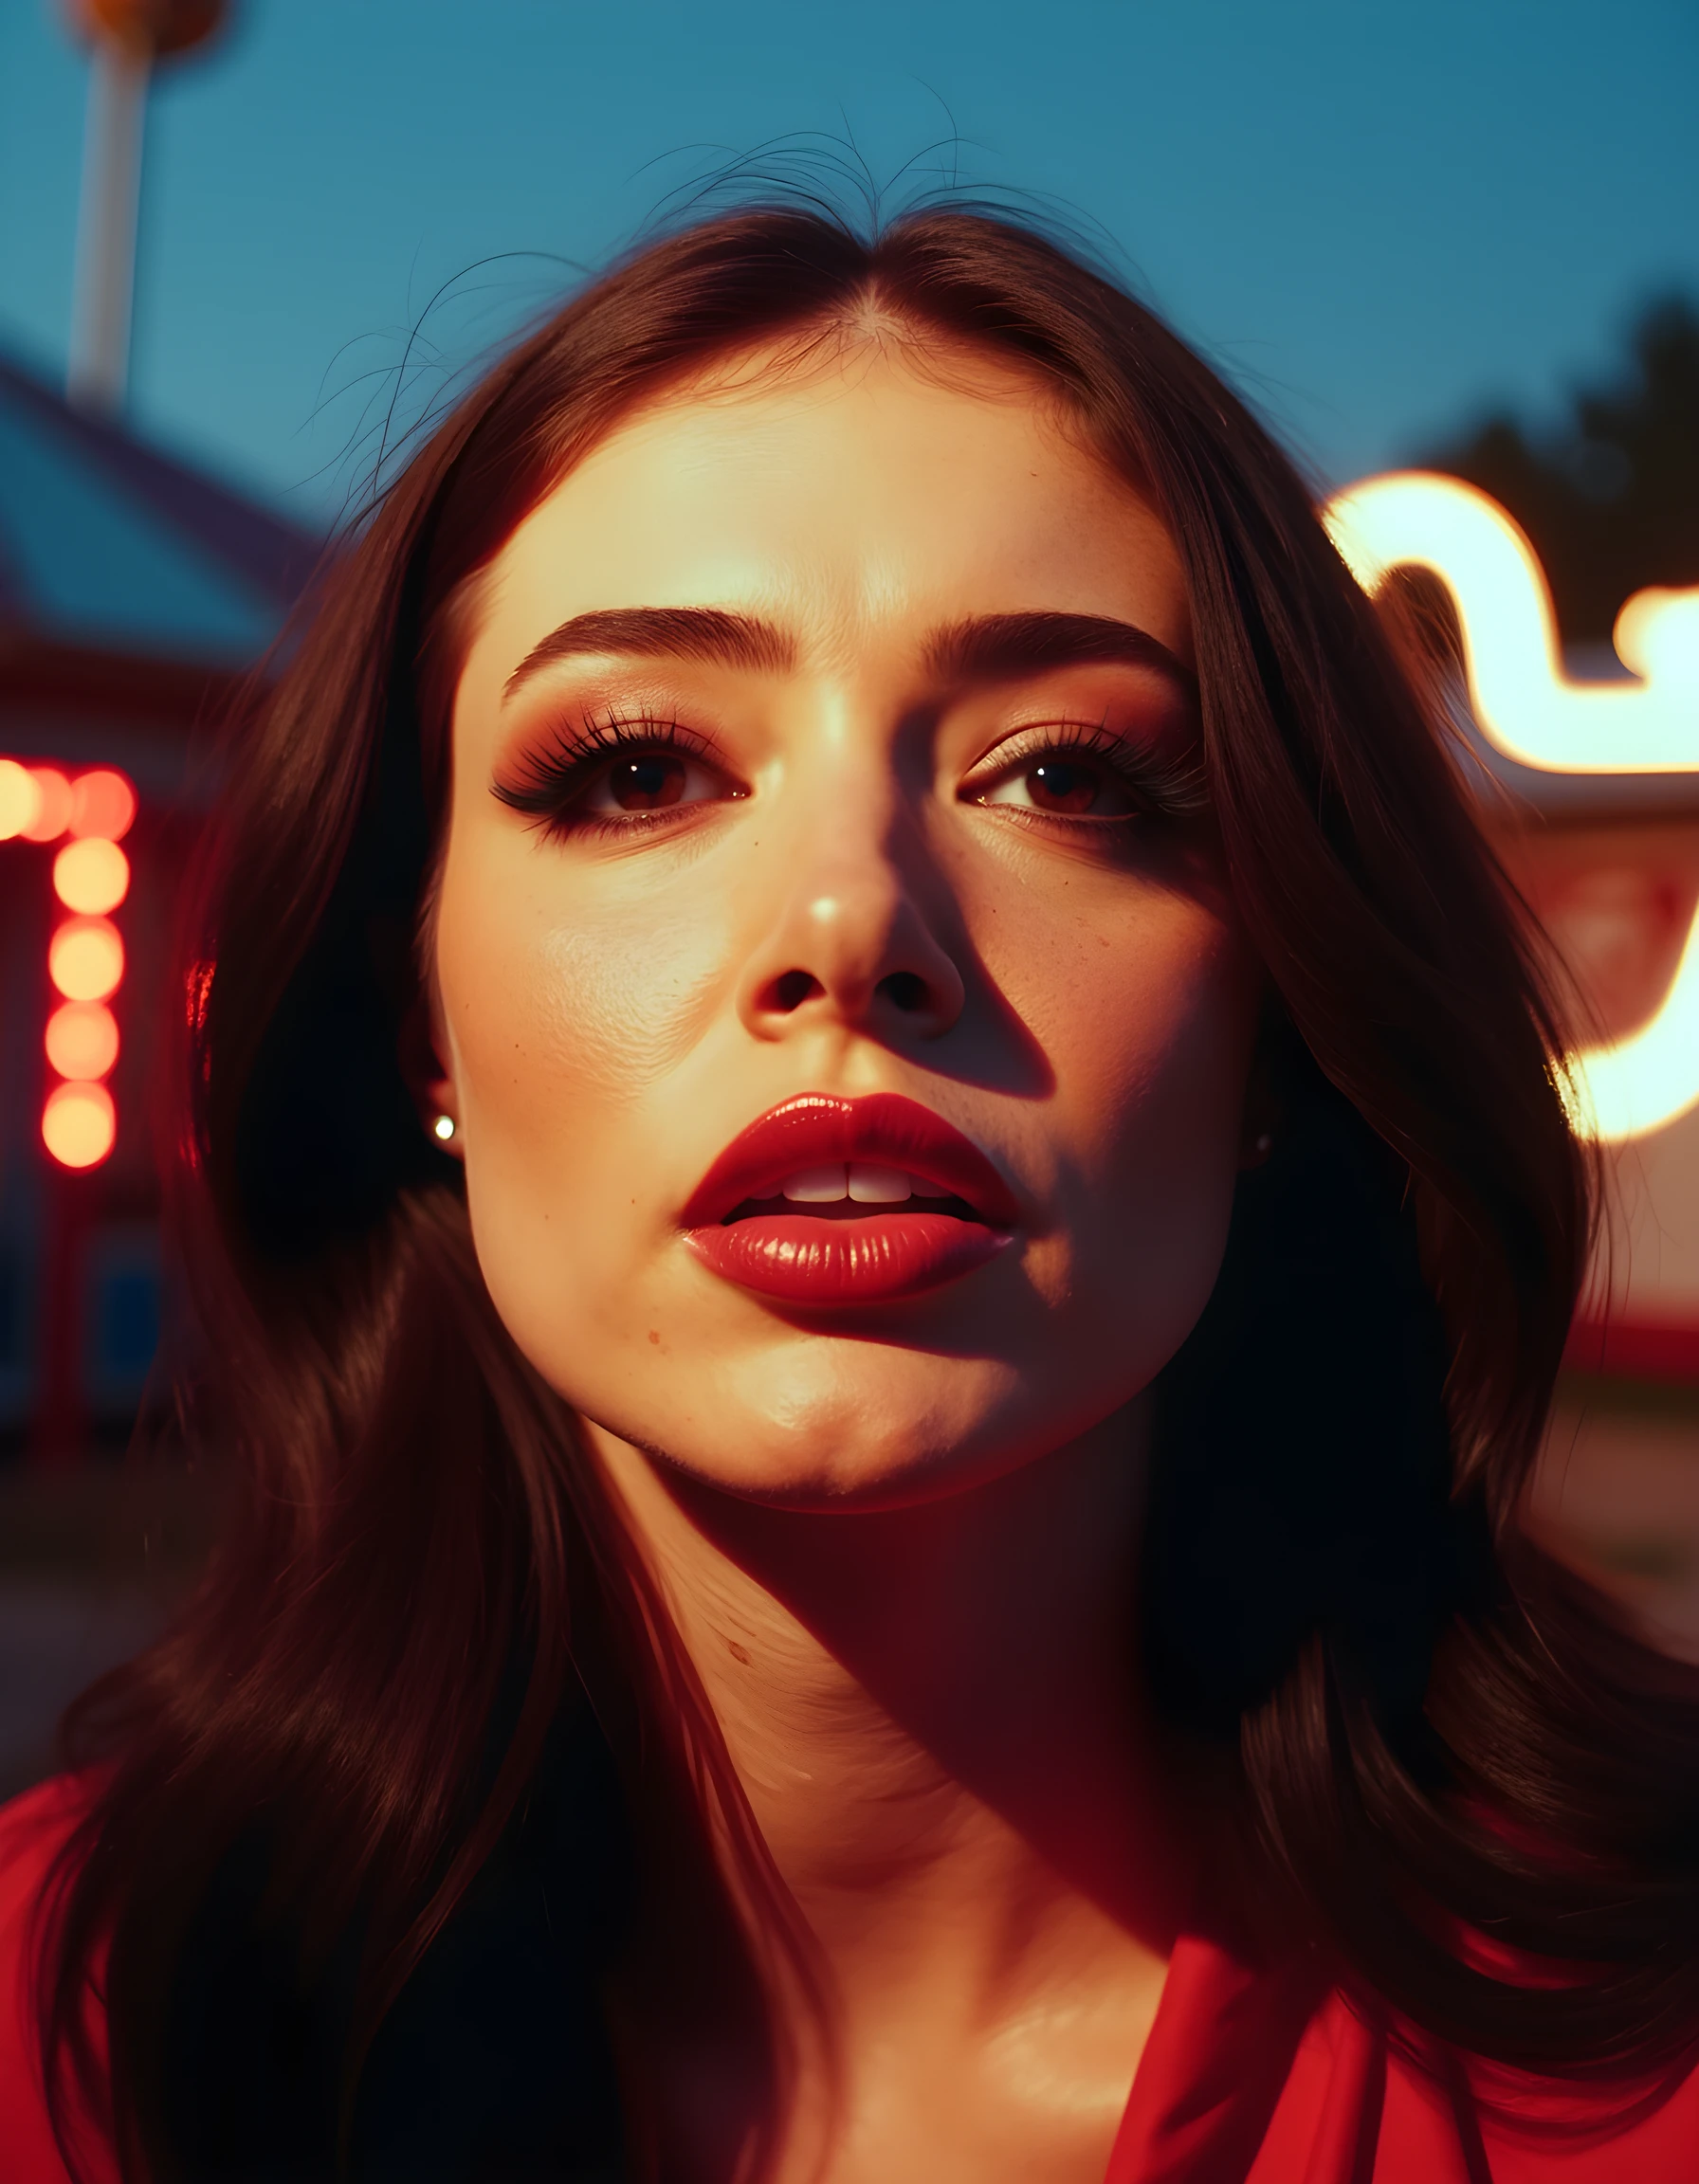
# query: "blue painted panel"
93, 562
123, 1302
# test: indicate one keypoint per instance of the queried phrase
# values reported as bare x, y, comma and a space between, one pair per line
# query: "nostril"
791, 989
906, 989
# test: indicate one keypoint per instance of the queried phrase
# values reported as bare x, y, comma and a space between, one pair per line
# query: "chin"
842, 1426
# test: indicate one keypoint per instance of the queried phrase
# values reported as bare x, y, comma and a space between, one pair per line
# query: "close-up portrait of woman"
878, 1192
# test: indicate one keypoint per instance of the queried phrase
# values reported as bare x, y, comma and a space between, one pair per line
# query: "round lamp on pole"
126, 38
158, 28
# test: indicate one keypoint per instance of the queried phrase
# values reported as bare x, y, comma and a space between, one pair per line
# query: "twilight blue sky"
1380, 217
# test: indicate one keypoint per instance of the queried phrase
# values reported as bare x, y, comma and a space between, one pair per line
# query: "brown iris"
1064, 785
647, 783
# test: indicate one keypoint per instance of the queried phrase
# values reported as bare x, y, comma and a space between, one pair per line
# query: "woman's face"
835, 736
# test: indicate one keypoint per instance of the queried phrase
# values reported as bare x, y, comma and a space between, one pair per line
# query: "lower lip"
871, 1261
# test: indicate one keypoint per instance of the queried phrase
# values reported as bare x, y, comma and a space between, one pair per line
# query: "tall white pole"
118, 98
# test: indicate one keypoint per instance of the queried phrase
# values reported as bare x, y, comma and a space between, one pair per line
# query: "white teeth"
864, 1181
872, 1186
816, 1186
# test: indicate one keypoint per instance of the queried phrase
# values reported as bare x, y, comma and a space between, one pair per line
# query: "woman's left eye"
1063, 784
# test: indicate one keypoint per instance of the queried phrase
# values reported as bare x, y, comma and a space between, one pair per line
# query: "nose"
851, 945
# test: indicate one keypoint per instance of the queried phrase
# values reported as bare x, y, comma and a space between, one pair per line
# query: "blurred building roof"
106, 543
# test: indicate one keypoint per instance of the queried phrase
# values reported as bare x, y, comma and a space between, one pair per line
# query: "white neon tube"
1524, 701
1532, 710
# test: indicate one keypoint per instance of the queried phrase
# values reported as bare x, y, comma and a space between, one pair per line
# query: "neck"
934, 1713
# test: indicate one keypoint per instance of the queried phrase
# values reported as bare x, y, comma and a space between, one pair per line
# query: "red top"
1248, 2078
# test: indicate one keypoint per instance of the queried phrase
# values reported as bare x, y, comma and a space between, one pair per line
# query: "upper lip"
818, 1127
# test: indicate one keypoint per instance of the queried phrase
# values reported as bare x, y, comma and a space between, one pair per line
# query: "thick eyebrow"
1002, 648
661, 632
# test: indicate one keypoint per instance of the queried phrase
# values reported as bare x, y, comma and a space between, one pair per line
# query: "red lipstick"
758, 1217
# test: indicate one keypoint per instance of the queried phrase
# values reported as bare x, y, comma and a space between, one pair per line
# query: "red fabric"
1251, 2078
31, 1829
1247, 2078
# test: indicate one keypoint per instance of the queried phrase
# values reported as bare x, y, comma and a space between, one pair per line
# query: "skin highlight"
897, 1542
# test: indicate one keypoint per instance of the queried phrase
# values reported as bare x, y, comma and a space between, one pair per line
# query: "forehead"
870, 497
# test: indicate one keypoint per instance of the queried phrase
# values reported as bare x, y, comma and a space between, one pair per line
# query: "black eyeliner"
548, 778
1175, 788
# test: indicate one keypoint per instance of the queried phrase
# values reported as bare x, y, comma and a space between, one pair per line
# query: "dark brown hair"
1420, 1731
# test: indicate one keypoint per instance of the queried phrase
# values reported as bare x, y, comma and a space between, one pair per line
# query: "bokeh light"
20, 798
82, 1039
1651, 1079
102, 804
79, 1124
92, 876
85, 959
53, 813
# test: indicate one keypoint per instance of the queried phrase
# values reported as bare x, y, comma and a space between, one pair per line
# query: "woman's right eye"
647, 781
616, 779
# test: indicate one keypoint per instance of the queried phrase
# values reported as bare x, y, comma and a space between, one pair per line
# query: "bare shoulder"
33, 1831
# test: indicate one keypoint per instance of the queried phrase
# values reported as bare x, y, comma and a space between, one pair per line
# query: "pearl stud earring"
442, 1128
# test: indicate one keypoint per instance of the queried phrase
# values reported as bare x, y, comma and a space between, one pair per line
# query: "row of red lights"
85, 957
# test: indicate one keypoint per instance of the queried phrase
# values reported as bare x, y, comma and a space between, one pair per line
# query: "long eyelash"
547, 779
1177, 787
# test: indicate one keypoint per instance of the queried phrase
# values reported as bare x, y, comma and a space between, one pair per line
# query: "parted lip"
818, 1127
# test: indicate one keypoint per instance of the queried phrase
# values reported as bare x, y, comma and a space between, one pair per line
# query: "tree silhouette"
1610, 497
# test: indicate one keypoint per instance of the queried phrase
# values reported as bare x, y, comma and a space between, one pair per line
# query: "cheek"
1151, 1207
567, 1018
546, 992
1138, 997
1169, 1048
1144, 1004
564, 1015
622, 999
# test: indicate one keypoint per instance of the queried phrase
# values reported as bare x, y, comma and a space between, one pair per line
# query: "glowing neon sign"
1524, 701
1527, 707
